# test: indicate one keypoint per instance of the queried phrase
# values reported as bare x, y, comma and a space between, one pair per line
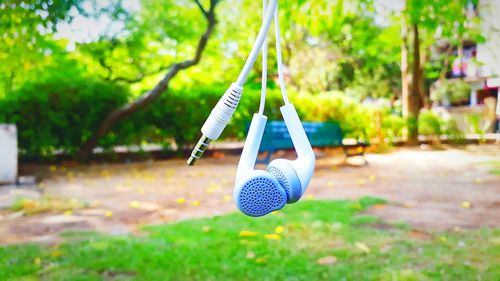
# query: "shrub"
453, 90
430, 124
60, 115
56, 115
355, 120
454, 133
392, 125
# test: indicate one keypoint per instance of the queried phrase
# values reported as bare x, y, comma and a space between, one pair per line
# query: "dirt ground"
429, 190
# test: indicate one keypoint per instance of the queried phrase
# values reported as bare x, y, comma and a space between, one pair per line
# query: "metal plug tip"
191, 161
198, 150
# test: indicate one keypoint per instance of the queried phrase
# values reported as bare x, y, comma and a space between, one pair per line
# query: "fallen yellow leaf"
170, 173
37, 261
206, 229
495, 240
247, 233
135, 204
53, 168
466, 205
181, 200
28, 204
373, 178
360, 182
227, 198
356, 206
279, 229
272, 237
196, 203
261, 260
310, 197
362, 247
68, 213
108, 214
56, 254
330, 184
409, 205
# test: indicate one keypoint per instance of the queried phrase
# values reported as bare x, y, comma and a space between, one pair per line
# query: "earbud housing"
257, 192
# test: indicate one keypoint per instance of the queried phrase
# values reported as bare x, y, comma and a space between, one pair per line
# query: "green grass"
235, 247
495, 168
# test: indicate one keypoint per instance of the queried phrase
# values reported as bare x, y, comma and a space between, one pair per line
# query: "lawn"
312, 240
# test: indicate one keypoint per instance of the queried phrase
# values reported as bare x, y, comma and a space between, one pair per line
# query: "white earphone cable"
281, 72
264, 64
258, 43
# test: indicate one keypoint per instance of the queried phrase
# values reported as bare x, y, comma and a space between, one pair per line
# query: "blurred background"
102, 101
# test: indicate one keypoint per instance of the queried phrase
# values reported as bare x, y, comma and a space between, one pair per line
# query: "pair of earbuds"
260, 192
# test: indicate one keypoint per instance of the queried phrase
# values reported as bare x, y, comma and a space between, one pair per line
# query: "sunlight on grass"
313, 240
48, 204
494, 167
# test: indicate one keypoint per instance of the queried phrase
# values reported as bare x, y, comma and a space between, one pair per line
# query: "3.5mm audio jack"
198, 150
216, 121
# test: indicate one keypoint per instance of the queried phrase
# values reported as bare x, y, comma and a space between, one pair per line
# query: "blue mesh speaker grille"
287, 178
260, 196
281, 179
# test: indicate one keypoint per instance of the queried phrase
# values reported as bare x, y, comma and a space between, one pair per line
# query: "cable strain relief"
222, 112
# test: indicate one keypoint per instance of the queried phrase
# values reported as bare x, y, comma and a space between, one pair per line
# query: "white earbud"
258, 192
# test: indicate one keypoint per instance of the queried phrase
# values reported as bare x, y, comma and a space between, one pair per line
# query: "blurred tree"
150, 96
426, 22
28, 50
151, 40
25, 43
343, 41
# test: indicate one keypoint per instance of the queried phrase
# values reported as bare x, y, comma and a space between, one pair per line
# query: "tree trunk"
414, 102
425, 97
446, 63
120, 113
405, 91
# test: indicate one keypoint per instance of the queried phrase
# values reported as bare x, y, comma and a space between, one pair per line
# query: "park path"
445, 189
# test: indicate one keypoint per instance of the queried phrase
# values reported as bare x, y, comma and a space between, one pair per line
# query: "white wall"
8, 153
488, 54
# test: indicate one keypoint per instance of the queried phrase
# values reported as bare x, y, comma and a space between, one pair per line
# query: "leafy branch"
143, 101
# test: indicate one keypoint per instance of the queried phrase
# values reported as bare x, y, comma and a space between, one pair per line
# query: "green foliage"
355, 120
454, 133
430, 124
24, 44
336, 53
475, 124
58, 115
453, 90
392, 125
235, 247
71, 109
158, 35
